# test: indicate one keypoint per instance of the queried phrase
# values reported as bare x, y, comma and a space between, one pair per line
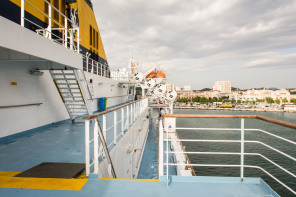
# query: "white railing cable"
282, 168
232, 129
103, 143
287, 187
208, 129
189, 140
228, 153
279, 137
258, 142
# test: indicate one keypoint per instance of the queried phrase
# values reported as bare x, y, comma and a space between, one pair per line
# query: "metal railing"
66, 34
85, 91
119, 76
97, 68
23, 105
168, 125
120, 121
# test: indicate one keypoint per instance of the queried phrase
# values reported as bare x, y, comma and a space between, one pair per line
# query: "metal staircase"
74, 91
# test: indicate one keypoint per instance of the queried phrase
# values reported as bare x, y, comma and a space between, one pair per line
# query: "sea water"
281, 145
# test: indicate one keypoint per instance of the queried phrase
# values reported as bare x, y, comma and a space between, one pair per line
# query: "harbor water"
281, 145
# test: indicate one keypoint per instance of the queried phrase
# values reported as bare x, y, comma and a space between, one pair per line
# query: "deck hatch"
54, 170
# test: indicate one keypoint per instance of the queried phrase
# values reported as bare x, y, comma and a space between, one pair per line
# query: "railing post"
78, 45
137, 111
115, 127
132, 112
127, 117
49, 22
134, 107
122, 119
96, 147
71, 40
87, 167
22, 13
242, 149
86, 62
160, 151
101, 69
104, 125
167, 155
97, 68
66, 33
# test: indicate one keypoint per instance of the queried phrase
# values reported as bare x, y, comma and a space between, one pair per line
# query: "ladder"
74, 91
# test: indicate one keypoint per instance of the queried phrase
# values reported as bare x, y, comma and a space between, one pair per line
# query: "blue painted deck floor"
64, 142
198, 186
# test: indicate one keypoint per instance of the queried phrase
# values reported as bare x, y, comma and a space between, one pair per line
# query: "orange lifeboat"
158, 75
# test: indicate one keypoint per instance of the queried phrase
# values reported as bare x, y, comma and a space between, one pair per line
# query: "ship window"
94, 38
93, 42
90, 35
55, 13
63, 5
97, 40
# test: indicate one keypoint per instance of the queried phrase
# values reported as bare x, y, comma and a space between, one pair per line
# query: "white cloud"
204, 36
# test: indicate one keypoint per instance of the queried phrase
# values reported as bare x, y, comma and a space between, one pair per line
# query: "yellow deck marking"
119, 179
8, 181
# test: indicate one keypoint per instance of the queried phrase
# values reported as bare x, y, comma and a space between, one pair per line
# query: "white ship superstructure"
70, 126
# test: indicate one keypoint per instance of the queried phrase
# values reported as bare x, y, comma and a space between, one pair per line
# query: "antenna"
132, 63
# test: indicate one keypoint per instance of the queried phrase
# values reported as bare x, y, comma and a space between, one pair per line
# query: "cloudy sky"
251, 43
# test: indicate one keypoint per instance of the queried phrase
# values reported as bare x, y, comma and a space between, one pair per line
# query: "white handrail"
98, 152
242, 153
227, 153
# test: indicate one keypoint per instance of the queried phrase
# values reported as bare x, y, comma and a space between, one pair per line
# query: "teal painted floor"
64, 142
179, 187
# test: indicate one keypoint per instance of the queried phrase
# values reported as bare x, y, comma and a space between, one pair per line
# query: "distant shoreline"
234, 109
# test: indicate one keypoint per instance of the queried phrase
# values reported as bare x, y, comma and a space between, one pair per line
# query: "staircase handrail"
84, 88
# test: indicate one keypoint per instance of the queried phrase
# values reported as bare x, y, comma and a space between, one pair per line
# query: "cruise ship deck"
64, 142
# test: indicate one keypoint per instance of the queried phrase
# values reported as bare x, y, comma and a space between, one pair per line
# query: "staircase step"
78, 114
70, 92
62, 74
75, 104
67, 83
76, 108
72, 96
71, 101
78, 111
65, 79
69, 88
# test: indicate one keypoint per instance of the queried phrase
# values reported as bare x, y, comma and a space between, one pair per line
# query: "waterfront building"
290, 107
212, 94
187, 87
281, 94
170, 87
184, 94
253, 95
222, 86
